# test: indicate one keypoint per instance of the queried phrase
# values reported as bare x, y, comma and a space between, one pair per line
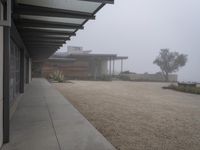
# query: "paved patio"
45, 120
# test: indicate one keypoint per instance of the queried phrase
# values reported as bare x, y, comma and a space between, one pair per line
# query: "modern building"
77, 63
30, 32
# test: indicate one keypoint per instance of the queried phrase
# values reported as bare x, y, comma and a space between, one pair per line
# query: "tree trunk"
166, 76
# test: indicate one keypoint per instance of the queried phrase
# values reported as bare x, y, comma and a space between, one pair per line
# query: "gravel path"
138, 115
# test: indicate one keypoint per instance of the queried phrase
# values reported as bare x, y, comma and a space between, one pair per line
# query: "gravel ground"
138, 115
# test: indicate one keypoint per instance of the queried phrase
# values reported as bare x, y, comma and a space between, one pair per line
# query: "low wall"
149, 77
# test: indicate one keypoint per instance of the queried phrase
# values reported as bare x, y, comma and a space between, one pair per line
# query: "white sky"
140, 28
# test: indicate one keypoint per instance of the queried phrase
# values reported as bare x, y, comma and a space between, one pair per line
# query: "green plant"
124, 77
186, 89
57, 76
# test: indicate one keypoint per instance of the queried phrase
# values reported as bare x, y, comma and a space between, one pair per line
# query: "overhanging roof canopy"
45, 25
93, 56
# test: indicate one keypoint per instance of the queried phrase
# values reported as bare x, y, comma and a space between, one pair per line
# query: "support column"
27, 70
30, 70
1, 85
121, 65
6, 83
22, 71
6, 74
110, 67
113, 67
95, 70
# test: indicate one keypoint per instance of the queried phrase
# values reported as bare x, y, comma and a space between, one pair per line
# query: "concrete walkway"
45, 120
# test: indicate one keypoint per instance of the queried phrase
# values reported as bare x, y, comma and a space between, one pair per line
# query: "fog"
140, 28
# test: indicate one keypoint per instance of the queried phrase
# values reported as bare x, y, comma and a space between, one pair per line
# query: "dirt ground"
138, 115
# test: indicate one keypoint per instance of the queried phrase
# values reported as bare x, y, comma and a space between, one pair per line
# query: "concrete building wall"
71, 70
99, 68
1, 85
79, 69
104, 67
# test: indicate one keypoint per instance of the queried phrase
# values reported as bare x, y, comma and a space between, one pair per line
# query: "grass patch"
186, 89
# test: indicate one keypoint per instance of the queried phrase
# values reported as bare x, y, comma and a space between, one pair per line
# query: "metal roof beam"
101, 1
47, 24
44, 38
46, 31
23, 9
44, 43
42, 47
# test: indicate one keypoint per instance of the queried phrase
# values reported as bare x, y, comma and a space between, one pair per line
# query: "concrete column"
1, 79
110, 67
1, 86
22, 60
104, 67
121, 65
6, 84
113, 67
95, 70
6, 40
27, 70
30, 70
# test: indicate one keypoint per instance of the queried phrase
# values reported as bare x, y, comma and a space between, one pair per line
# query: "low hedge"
192, 90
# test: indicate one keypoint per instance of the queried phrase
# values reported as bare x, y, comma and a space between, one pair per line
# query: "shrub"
105, 78
187, 89
57, 76
124, 77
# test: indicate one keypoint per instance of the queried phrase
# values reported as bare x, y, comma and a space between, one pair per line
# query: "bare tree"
170, 62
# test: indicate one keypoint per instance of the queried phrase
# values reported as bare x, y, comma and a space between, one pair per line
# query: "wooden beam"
47, 24
23, 9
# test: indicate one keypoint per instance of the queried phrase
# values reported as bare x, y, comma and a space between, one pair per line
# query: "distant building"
77, 50
77, 63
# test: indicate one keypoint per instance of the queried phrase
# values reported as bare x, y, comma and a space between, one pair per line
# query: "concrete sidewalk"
45, 120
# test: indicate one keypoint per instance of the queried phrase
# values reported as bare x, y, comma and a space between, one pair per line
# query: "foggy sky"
140, 28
